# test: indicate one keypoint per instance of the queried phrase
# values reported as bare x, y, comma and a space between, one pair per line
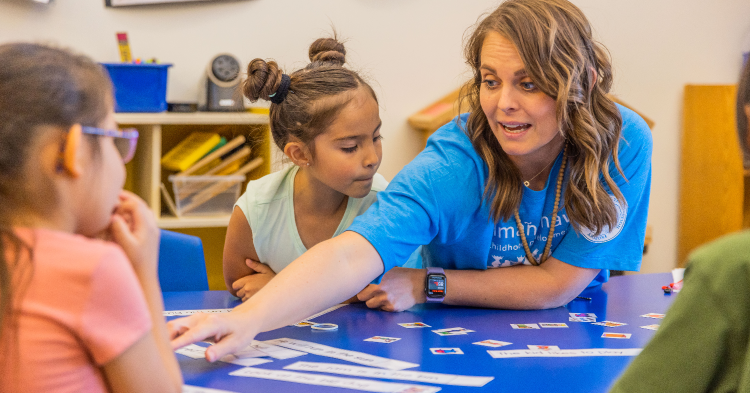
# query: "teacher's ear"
593, 78
747, 121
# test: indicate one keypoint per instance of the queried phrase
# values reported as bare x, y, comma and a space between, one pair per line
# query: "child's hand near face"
249, 285
133, 227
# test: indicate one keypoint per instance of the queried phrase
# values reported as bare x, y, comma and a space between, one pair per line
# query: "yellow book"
190, 150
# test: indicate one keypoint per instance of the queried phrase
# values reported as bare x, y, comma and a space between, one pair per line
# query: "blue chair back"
182, 266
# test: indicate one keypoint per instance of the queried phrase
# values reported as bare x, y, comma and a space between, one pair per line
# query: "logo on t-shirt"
507, 249
609, 234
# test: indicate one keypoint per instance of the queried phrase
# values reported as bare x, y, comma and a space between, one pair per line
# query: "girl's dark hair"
743, 100
555, 43
315, 94
43, 90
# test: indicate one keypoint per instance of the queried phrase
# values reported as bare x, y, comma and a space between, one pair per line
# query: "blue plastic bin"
139, 87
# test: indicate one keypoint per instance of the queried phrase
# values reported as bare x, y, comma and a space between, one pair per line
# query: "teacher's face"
520, 115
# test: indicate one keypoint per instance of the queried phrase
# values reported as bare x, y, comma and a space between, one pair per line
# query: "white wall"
412, 50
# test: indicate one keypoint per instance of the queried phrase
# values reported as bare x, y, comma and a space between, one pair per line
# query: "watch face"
435, 285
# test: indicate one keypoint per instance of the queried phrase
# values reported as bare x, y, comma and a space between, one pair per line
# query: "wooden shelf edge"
436, 114
192, 118
193, 222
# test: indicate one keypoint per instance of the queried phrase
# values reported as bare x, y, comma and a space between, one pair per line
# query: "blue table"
622, 299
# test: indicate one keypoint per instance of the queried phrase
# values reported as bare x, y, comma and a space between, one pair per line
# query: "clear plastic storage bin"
206, 195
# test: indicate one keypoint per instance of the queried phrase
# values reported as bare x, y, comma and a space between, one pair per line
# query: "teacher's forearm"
519, 287
330, 272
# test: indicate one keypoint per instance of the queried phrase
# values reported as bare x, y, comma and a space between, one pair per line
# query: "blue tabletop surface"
622, 299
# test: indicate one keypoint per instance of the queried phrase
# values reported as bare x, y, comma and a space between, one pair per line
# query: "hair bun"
263, 79
328, 50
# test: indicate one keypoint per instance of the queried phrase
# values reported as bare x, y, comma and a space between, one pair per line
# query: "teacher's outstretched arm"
328, 273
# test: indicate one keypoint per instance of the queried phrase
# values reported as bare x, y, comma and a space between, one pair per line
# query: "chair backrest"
182, 266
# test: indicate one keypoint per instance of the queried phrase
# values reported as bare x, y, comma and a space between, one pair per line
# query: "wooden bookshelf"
160, 132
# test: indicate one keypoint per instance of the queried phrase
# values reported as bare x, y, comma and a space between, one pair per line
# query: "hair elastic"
280, 95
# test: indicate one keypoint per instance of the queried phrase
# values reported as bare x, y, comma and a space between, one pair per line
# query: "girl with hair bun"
325, 118
522, 203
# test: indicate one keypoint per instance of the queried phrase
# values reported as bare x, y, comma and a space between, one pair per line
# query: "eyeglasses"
125, 140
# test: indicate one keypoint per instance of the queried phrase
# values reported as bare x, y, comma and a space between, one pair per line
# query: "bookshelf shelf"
192, 118
168, 222
160, 132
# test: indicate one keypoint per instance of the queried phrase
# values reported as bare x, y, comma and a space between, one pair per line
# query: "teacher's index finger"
189, 330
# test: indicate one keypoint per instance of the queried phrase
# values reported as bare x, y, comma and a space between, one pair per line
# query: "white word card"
416, 376
563, 353
325, 380
198, 352
192, 351
343, 354
307, 320
177, 313
260, 349
198, 389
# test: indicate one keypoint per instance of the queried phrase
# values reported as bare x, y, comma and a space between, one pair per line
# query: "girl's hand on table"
249, 285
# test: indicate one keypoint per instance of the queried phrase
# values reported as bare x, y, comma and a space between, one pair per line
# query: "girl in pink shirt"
77, 314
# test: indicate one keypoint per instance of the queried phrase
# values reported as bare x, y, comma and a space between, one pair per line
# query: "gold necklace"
553, 218
527, 182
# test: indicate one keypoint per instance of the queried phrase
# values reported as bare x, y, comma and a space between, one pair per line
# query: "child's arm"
149, 365
244, 274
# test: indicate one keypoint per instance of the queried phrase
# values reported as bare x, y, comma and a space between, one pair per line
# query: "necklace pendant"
526, 183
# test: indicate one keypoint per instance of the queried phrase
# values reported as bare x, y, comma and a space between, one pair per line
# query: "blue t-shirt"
437, 201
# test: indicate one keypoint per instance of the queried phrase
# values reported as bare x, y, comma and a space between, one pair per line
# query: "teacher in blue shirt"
519, 204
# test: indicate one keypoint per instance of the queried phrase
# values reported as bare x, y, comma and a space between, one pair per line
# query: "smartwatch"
434, 285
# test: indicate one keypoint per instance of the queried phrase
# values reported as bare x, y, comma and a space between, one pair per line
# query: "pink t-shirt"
82, 308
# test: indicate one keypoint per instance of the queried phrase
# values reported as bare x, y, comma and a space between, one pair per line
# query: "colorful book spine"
190, 150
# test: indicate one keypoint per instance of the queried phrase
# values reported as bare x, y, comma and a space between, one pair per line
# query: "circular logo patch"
607, 233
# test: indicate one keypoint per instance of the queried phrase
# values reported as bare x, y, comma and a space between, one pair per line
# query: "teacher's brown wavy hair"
43, 92
555, 43
316, 94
